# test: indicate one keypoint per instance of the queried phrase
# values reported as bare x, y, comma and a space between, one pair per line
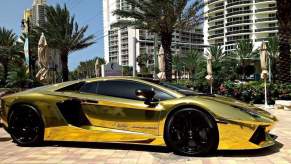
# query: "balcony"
238, 3
212, 1
215, 27
124, 47
266, 9
238, 32
113, 49
262, 39
239, 12
216, 17
216, 35
238, 22
231, 42
216, 9
266, 29
260, 1
266, 19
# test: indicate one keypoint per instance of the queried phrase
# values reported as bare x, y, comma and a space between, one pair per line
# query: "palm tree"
191, 61
244, 53
273, 50
86, 69
284, 21
9, 49
63, 33
218, 64
18, 77
143, 60
216, 52
162, 17
177, 65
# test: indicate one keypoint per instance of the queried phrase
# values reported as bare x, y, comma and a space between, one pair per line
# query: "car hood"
229, 108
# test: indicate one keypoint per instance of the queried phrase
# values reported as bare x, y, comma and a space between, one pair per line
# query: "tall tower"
228, 21
38, 12
118, 46
26, 17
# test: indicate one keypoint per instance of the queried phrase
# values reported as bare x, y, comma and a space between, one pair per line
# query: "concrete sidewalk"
69, 152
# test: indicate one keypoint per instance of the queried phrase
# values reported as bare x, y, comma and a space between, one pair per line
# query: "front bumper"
245, 136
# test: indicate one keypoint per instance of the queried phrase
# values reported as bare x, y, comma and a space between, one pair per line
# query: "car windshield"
175, 87
181, 89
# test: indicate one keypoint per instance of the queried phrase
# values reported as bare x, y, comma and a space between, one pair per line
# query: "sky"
86, 12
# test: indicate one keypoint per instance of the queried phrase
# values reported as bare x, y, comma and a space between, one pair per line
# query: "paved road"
60, 152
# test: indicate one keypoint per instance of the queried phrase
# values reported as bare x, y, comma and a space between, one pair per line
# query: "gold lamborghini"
135, 111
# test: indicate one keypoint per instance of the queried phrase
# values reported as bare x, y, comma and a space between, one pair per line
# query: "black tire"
191, 132
25, 126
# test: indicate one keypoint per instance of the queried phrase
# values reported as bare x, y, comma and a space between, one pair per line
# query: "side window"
126, 89
89, 88
120, 88
72, 88
160, 95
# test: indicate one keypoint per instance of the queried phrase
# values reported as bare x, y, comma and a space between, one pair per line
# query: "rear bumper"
3, 123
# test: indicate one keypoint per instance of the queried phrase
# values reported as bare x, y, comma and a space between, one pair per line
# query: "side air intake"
72, 112
259, 135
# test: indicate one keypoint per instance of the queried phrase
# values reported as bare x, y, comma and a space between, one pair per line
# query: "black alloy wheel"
191, 132
26, 126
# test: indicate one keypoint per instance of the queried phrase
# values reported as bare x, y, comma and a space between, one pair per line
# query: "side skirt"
100, 134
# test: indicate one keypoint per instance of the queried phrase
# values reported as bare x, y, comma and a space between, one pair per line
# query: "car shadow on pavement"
251, 153
113, 146
5, 139
164, 150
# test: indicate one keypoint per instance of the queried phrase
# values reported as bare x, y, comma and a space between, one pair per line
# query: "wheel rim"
190, 132
24, 126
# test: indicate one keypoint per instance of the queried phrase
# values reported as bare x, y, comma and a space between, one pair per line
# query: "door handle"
89, 102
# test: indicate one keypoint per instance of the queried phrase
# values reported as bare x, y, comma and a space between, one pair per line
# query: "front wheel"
191, 132
26, 126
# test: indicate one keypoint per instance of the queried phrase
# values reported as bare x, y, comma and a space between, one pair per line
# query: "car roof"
122, 77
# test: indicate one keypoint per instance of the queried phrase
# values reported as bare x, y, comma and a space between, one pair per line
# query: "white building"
38, 12
228, 21
118, 46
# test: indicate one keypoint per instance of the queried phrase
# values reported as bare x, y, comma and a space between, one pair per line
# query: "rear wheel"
26, 126
191, 132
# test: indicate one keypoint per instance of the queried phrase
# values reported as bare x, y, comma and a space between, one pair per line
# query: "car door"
115, 106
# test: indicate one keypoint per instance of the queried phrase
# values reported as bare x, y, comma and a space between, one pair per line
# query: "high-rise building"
118, 44
228, 21
38, 12
26, 17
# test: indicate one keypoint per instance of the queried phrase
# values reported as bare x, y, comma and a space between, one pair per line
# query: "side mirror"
147, 96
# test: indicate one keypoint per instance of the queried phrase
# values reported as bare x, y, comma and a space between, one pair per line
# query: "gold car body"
118, 120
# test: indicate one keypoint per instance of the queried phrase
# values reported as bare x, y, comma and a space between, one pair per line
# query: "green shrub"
250, 92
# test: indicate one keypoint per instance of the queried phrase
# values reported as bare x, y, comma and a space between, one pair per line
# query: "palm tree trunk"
283, 7
65, 69
5, 71
284, 63
274, 69
166, 38
243, 66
